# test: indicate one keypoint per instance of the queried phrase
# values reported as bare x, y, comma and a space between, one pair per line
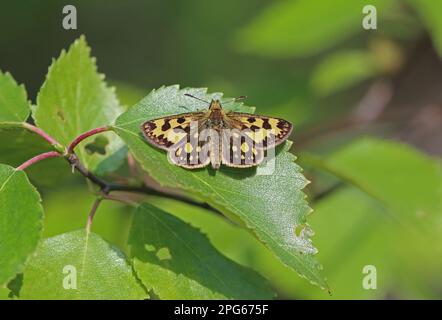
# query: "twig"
46, 155
41, 133
323, 194
76, 164
153, 192
91, 215
319, 164
85, 135
120, 199
132, 165
105, 187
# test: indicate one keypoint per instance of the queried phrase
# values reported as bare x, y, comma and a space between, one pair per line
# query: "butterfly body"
197, 139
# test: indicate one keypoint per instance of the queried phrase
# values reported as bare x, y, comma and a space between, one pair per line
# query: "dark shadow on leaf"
97, 146
164, 241
238, 173
242, 173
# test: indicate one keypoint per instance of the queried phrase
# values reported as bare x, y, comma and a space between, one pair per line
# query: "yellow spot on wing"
188, 147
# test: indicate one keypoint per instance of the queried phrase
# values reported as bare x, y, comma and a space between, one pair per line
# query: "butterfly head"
215, 105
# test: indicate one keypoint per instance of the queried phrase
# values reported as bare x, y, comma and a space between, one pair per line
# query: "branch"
107, 187
153, 192
76, 164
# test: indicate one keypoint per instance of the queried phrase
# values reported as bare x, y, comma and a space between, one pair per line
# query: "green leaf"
77, 265
429, 11
390, 219
342, 70
273, 206
178, 262
241, 246
74, 99
14, 106
302, 27
362, 235
4, 293
21, 217
399, 177
407, 262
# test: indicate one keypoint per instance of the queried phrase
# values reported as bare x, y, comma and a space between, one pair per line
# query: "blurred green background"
347, 90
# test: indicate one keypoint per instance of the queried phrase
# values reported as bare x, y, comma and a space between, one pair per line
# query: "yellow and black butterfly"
197, 139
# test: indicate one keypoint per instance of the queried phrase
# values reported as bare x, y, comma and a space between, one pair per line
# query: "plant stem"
91, 215
153, 192
41, 133
85, 135
107, 187
76, 164
46, 155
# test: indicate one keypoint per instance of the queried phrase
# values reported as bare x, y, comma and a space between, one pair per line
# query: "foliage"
74, 99
21, 221
274, 216
239, 235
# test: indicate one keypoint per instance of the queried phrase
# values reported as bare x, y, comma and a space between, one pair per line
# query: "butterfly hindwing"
239, 150
266, 132
190, 153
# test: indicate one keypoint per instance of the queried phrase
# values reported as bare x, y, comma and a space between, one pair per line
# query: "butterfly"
215, 136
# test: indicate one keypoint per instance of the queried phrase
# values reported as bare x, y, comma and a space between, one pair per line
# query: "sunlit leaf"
73, 99
273, 206
21, 217
4, 293
14, 106
176, 261
76, 265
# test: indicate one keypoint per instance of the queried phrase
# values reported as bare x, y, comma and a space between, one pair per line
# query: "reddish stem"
41, 133
85, 135
46, 155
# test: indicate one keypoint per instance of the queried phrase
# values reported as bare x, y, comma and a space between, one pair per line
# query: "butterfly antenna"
236, 99
192, 96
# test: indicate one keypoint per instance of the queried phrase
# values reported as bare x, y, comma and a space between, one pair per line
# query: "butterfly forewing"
165, 132
197, 139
